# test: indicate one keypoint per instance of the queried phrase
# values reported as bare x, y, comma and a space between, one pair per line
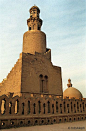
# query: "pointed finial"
69, 83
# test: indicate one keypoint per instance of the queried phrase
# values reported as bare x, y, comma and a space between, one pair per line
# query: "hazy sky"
64, 22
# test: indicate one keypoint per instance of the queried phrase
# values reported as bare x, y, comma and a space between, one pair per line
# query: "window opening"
29, 28
44, 108
52, 108
3, 106
48, 107
16, 106
28, 107
10, 108
56, 106
34, 105
39, 106
22, 108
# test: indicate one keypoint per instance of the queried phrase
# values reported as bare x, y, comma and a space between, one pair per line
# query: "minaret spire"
34, 22
34, 40
69, 83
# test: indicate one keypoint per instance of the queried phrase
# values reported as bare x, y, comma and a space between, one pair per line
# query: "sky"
64, 22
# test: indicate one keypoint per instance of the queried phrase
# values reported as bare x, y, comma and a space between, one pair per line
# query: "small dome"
72, 92
34, 7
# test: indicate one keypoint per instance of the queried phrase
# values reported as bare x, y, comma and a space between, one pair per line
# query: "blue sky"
64, 22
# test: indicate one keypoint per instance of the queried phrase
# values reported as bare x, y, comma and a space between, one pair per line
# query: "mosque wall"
39, 75
12, 83
36, 109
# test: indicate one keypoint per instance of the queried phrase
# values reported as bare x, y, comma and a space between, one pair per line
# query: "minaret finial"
69, 83
34, 22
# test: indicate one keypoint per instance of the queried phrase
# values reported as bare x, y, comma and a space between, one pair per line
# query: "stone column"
46, 108
36, 108
55, 107
26, 108
58, 107
41, 108
85, 106
13, 108
20, 108
7, 108
50, 107
66, 107
62, 108
31, 107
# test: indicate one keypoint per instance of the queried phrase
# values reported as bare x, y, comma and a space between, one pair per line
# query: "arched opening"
60, 120
42, 121
17, 106
3, 123
74, 119
67, 108
12, 123
41, 83
52, 108
28, 107
83, 106
38, 27
3, 106
29, 122
48, 106
34, 111
61, 108
36, 122
46, 84
21, 122
65, 120
77, 106
44, 108
64, 107
29, 28
78, 118
23, 108
10, 108
69, 119
39, 107
71, 107
56, 106
54, 120
33, 27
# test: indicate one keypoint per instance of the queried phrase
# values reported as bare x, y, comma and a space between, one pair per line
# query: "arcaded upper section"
71, 91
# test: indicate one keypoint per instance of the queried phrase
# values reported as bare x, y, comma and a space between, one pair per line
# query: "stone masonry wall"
34, 41
35, 65
38, 109
13, 81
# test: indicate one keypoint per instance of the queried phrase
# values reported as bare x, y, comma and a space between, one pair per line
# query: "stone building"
32, 92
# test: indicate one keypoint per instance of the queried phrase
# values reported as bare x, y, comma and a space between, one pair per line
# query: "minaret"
34, 22
69, 83
34, 39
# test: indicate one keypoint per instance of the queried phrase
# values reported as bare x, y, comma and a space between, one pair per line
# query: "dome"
34, 7
71, 92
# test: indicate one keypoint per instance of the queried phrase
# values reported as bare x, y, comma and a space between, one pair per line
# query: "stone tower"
34, 72
34, 40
